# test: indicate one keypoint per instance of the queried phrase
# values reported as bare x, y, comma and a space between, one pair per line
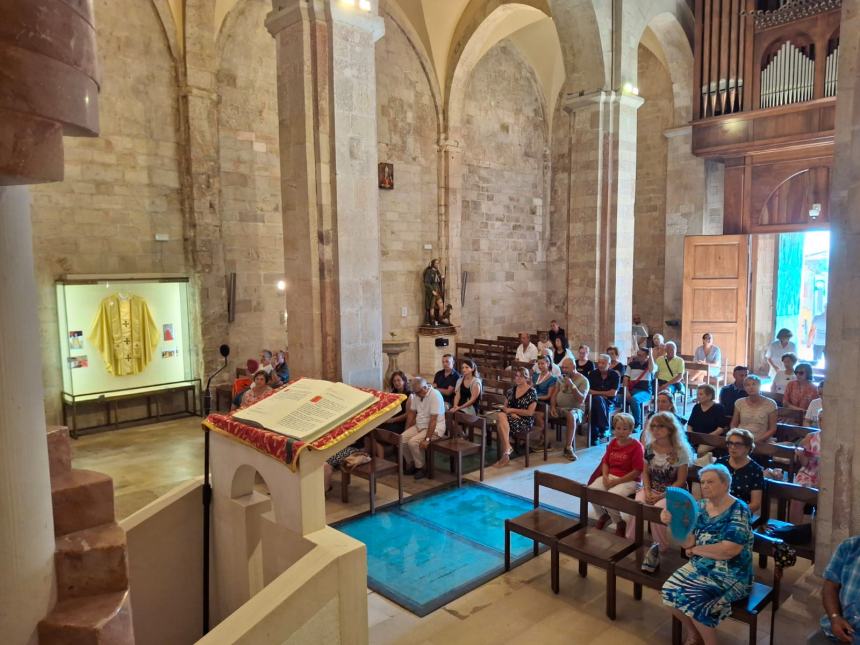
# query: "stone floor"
146, 461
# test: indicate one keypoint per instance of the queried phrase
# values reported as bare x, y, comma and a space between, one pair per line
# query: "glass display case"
124, 338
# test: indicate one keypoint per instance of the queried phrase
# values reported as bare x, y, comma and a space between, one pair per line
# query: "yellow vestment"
125, 334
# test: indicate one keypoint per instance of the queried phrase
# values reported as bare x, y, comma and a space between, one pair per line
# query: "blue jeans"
601, 407
638, 399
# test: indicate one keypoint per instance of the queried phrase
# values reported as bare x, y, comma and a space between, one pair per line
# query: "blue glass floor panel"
438, 547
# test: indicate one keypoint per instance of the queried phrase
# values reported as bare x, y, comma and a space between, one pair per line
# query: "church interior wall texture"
653, 118
408, 214
121, 188
503, 228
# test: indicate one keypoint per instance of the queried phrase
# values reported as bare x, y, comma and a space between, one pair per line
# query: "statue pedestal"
433, 344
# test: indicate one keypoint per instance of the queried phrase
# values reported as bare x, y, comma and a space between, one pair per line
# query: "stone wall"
504, 195
121, 188
408, 215
654, 117
252, 225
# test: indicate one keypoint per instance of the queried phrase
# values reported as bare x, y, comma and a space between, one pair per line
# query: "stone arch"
584, 43
396, 14
168, 23
662, 16
470, 43
678, 56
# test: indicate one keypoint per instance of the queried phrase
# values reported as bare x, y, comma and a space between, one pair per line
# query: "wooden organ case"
764, 104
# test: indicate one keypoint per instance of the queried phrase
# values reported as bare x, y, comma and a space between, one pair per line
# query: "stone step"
59, 450
93, 620
92, 561
82, 499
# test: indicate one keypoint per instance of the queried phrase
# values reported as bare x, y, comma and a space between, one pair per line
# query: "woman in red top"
620, 470
800, 392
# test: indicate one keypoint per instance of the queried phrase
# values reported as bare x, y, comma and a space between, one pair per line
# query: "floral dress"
808, 474
704, 589
521, 425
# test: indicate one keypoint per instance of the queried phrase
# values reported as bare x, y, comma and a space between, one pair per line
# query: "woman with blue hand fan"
719, 545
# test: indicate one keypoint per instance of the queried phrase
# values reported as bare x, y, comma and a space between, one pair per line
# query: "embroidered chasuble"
125, 334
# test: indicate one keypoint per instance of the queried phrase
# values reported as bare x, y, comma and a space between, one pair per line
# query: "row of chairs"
619, 556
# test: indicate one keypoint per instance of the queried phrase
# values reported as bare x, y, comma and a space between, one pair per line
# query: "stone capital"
367, 21
448, 145
577, 102
291, 12
679, 131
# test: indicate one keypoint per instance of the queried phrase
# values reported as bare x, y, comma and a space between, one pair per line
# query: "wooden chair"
762, 595
780, 495
630, 567
541, 525
377, 467
457, 446
600, 548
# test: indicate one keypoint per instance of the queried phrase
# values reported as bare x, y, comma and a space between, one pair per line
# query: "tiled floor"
146, 461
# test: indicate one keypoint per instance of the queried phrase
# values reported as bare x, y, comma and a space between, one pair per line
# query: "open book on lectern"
306, 409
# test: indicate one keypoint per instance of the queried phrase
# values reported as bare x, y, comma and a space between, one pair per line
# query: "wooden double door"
716, 295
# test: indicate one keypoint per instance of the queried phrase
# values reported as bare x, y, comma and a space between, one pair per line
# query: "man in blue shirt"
604, 384
731, 393
841, 593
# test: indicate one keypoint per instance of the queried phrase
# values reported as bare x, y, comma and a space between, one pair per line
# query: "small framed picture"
386, 176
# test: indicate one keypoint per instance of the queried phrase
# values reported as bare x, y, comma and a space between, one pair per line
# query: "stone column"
838, 513
327, 113
685, 183
839, 507
602, 193
201, 189
48, 89
450, 221
26, 519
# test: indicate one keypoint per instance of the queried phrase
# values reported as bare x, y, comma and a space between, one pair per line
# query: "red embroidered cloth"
288, 450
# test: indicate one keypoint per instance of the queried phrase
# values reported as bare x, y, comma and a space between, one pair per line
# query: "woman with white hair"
719, 572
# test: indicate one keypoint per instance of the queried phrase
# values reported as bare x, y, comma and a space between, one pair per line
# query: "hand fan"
684, 509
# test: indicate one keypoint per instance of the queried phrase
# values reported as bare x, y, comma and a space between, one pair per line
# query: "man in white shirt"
814, 409
640, 332
426, 419
266, 361
782, 345
527, 352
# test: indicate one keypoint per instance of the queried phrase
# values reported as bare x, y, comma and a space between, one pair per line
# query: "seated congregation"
661, 419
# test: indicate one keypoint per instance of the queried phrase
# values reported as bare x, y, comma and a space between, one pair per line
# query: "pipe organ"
788, 76
766, 78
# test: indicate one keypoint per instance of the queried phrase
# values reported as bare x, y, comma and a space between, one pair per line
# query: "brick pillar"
600, 218
839, 509
450, 221
685, 185
327, 112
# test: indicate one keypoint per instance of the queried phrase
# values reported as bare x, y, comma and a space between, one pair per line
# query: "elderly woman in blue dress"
719, 571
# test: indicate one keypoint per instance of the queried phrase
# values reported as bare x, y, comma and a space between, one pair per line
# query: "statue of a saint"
434, 293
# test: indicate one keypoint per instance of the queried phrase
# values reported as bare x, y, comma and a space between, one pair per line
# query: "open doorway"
803, 263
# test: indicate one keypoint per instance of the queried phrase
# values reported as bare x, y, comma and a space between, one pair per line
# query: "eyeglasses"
736, 444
